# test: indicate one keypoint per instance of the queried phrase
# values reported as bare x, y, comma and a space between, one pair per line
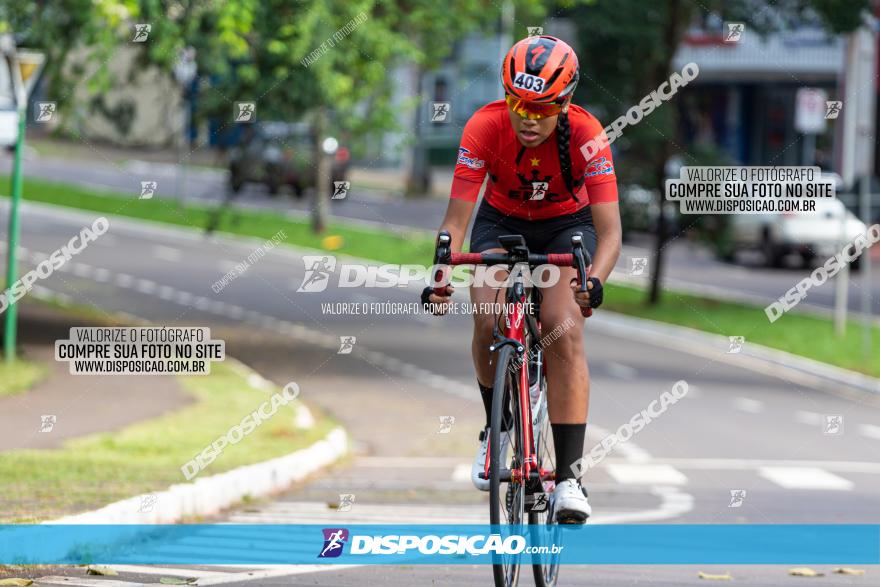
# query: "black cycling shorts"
550, 235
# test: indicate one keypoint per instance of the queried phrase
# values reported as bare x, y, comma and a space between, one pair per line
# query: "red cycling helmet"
540, 69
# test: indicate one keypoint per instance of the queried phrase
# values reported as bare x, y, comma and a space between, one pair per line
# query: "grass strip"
800, 334
20, 376
386, 246
92, 471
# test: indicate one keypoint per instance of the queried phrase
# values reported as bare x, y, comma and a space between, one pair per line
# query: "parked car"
8, 128
640, 210
810, 235
8, 112
280, 154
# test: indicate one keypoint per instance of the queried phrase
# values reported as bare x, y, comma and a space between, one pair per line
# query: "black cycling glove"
425, 293
595, 292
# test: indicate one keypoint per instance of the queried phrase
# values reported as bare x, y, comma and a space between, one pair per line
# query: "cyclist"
542, 187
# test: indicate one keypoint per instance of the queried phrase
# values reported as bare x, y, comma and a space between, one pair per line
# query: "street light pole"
24, 68
185, 70
10, 326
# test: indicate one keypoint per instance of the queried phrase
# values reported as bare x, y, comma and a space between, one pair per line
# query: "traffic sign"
809, 114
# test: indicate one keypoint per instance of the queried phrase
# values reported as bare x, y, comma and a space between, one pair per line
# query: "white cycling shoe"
479, 465
570, 505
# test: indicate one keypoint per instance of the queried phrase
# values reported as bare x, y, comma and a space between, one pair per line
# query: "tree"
633, 55
327, 61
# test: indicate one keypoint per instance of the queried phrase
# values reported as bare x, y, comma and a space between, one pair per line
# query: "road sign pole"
10, 327
865, 205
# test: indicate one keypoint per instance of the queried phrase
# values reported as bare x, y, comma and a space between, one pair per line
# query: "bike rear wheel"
506, 498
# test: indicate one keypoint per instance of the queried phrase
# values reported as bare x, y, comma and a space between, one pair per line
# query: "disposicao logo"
334, 541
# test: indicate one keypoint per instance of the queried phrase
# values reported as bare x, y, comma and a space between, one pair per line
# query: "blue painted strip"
202, 544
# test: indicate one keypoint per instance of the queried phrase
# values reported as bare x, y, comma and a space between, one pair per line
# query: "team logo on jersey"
534, 188
599, 166
464, 158
539, 190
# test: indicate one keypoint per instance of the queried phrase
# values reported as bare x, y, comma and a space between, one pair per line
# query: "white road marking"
629, 450
870, 431
167, 253
124, 280
673, 504
747, 404
202, 303
183, 298
145, 286
805, 478
754, 464
81, 269
646, 474
101, 275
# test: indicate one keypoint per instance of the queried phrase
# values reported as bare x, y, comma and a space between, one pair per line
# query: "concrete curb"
210, 495
754, 357
713, 292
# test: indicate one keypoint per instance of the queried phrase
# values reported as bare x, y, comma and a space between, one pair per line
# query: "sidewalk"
390, 180
81, 405
108, 153
393, 180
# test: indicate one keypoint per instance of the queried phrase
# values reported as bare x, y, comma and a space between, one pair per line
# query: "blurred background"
230, 141
361, 108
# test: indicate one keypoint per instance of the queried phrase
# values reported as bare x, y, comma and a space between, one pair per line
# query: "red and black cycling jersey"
527, 182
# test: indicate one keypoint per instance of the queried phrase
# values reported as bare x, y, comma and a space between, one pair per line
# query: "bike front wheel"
506, 497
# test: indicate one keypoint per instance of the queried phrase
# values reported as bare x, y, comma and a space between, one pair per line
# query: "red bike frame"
514, 331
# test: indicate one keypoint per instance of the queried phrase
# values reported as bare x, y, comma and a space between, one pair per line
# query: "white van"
812, 236
8, 112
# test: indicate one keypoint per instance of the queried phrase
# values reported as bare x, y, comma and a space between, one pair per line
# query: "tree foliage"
627, 51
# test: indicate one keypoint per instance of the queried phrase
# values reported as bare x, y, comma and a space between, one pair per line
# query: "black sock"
568, 442
486, 393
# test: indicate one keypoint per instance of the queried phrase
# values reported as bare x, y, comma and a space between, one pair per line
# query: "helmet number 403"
532, 83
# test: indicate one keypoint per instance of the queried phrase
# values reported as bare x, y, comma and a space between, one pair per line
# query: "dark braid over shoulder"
563, 139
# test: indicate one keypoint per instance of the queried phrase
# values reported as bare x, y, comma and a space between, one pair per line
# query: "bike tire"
546, 572
506, 499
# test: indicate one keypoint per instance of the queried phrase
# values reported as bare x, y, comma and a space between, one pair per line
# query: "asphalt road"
735, 430
689, 266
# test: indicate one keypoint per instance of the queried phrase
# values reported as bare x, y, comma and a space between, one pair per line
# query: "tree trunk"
677, 20
323, 182
660, 241
418, 180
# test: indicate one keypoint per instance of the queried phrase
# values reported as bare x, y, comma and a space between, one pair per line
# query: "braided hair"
563, 140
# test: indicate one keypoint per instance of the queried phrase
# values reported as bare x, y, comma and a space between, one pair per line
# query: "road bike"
523, 482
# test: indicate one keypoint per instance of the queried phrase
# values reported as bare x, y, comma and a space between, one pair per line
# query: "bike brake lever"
582, 261
442, 255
